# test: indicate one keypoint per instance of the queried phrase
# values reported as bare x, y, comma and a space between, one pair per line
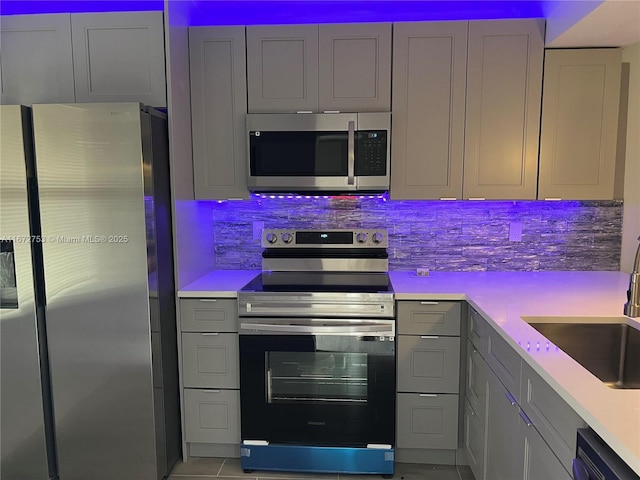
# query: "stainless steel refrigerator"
89, 376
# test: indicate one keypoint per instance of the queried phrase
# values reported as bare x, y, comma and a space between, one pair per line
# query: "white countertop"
503, 298
219, 284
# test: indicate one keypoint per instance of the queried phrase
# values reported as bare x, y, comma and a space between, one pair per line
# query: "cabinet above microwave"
332, 152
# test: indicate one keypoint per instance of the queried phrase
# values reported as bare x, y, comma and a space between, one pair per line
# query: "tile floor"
229, 469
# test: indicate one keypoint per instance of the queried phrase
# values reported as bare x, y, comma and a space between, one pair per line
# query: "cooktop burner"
360, 282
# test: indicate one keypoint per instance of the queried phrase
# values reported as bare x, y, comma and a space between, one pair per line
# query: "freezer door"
92, 202
22, 435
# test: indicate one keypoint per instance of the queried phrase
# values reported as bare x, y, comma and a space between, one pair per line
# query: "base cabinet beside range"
516, 426
210, 378
428, 381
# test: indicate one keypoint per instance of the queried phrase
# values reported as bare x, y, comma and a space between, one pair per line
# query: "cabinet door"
477, 372
36, 62
503, 453
427, 421
538, 460
504, 84
119, 57
354, 67
475, 441
212, 416
210, 360
218, 109
580, 124
429, 73
282, 68
428, 364
553, 418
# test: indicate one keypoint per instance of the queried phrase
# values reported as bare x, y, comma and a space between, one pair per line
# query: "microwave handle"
351, 155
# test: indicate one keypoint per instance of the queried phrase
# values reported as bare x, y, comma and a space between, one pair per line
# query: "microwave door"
290, 161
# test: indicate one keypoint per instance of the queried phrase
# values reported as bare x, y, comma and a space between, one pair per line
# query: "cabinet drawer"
428, 318
552, 417
474, 440
427, 421
477, 380
428, 364
210, 360
212, 416
209, 315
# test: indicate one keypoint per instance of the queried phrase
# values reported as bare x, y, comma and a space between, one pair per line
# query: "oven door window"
299, 154
316, 377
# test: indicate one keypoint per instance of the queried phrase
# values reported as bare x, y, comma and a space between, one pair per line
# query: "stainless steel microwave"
326, 152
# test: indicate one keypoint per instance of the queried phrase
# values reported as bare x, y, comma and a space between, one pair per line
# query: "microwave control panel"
371, 153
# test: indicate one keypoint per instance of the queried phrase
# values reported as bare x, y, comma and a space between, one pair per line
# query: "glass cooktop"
320, 282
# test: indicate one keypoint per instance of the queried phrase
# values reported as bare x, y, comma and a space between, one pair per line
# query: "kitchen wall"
439, 235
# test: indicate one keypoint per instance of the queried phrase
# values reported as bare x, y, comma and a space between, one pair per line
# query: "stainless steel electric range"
317, 354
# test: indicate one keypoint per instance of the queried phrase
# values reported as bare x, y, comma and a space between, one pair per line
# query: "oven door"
318, 382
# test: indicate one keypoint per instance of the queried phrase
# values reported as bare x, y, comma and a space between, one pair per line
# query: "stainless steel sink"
610, 351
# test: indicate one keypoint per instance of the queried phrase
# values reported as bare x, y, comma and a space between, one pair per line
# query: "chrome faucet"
632, 307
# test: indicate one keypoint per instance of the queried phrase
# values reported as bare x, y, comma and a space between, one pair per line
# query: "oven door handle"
350, 330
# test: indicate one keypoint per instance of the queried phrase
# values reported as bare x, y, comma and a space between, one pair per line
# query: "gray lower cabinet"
475, 440
209, 315
428, 381
427, 420
212, 416
539, 462
428, 363
210, 359
210, 377
515, 425
502, 449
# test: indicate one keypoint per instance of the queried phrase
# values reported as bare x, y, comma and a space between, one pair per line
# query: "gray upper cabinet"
36, 60
119, 57
429, 74
504, 86
354, 67
282, 68
580, 124
218, 110
311, 68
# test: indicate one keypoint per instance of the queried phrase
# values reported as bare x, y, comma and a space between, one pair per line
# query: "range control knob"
361, 237
271, 237
377, 237
287, 237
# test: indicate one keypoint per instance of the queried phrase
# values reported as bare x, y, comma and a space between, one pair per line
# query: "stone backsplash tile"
439, 235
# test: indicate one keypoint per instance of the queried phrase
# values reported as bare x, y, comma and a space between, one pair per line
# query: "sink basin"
610, 351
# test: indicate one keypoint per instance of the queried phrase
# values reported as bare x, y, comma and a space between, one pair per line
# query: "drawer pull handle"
429, 303
210, 300
209, 334
512, 400
428, 395
211, 391
526, 420
430, 337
